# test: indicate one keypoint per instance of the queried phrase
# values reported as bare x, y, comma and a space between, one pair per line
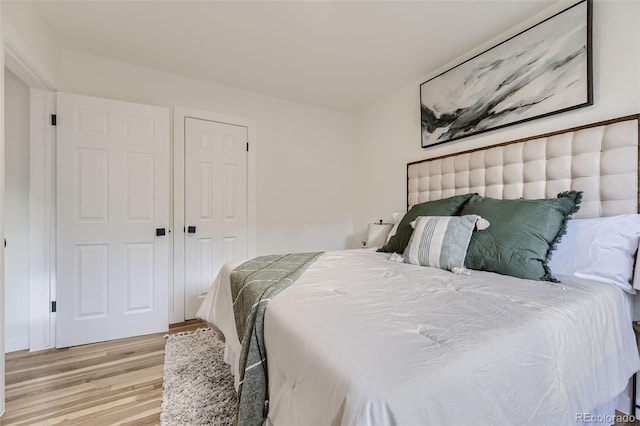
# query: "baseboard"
16, 344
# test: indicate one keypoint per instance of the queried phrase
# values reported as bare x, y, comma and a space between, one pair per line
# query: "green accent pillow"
522, 235
445, 207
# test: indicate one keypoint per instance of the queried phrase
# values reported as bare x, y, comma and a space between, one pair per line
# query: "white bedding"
359, 340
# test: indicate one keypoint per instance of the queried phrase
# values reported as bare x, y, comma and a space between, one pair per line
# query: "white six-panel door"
112, 196
215, 203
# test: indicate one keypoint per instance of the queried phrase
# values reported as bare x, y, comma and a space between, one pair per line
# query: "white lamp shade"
377, 235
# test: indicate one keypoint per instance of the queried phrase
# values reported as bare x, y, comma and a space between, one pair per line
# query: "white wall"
16, 219
25, 32
304, 153
388, 132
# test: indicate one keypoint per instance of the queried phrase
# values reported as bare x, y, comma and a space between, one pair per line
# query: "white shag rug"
197, 388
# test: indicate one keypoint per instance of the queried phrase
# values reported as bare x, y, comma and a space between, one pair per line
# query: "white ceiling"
338, 55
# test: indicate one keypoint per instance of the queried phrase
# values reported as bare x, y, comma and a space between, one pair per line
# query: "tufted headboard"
600, 159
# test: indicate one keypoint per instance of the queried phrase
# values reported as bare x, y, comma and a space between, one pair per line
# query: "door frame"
180, 113
42, 220
42, 229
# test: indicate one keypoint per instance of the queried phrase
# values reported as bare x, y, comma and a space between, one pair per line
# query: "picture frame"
541, 71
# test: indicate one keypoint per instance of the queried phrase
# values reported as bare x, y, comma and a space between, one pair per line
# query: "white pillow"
397, 217
601, 249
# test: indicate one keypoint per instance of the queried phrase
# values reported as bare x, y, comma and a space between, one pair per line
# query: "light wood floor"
117, 382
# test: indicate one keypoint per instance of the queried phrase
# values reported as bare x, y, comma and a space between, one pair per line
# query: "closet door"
215, 203
112, 219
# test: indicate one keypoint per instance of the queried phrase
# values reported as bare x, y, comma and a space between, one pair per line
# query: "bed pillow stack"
519, 242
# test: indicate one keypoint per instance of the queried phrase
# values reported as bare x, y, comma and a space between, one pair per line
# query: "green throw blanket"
253, 284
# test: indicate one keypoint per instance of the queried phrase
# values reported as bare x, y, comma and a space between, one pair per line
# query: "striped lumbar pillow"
442, 241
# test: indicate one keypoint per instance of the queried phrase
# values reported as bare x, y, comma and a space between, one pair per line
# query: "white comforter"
359, 340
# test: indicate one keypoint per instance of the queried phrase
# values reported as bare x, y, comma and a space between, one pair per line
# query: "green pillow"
522, 235
445, 207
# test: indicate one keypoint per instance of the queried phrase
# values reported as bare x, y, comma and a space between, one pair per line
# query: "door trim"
177, 288
42, 220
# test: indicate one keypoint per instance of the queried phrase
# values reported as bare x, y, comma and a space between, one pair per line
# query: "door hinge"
53, 306
247, 146
53, 119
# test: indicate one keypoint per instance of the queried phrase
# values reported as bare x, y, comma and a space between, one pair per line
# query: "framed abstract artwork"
543, 70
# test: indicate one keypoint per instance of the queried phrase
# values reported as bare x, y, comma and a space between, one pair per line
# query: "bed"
360, 340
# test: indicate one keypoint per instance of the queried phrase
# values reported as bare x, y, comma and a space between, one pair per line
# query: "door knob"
160, 232
191, 229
